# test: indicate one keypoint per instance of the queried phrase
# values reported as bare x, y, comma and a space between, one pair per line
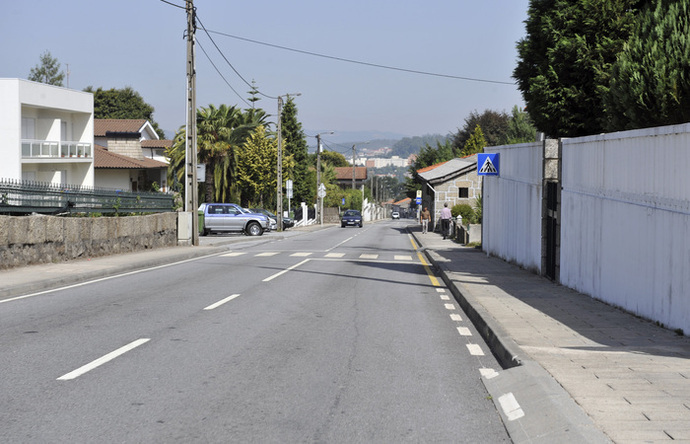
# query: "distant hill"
368, 141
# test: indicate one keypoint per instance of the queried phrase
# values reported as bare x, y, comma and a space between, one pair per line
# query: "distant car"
351, 218
395, 215
228, 217
287, 221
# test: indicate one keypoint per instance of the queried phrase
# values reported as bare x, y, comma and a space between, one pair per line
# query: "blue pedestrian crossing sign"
488, 164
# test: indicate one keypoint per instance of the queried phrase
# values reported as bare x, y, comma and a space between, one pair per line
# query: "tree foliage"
48, 71
122, 103
650, 81
334, 159
221, 132
294, 144
565, 59
494, 127
476, 142
256, 169
428, 156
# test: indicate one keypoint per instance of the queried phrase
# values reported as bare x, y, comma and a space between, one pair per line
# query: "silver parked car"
228, 217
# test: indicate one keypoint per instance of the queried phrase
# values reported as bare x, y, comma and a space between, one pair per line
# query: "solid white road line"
102, 360
280, 273
511, 407
221, 302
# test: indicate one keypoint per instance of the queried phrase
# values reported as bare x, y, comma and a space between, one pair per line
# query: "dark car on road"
351, 218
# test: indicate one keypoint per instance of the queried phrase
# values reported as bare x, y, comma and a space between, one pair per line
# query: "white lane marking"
102, 360
302, 254
335, 255
440, 290
449, 306
280, 273
267, 254
368, 256
464, 331
445, 297
475, 350
233, 254
221, 302
456, 317
337, 245
511, 407
402, 257
488, 373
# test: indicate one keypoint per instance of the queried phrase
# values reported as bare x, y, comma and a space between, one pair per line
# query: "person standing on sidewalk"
424, 218
445, 220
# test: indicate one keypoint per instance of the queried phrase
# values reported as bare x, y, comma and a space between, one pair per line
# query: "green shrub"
464, 210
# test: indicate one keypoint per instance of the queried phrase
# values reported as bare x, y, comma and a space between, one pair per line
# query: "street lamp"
319, 185
279, 165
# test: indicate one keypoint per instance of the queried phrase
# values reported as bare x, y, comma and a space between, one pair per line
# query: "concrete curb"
534, 407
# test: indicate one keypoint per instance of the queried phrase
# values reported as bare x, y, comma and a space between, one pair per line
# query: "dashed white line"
464, 331
488, 373
449, 306
510, 407
402, 257
221, 302
102, 360
445, 297
280, 273
456, 317
440, 290
368, 256
475, 350
233, 254
301, 254
336, 255
267, 254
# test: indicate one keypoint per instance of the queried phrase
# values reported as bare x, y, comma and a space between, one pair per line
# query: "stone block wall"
26, 240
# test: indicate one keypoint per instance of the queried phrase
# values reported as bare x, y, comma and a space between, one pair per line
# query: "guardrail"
24, 197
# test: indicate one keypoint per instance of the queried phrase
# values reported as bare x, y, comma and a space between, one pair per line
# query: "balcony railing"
45, 148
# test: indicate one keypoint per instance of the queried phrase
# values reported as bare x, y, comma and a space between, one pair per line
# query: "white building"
46, 133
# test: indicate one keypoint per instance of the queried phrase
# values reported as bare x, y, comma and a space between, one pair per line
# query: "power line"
375, 65
173, 4
220, 74
228, 61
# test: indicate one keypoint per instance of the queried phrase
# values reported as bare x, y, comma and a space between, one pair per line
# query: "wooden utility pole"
191, 187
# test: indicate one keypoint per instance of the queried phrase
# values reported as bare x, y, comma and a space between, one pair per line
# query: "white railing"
45, 148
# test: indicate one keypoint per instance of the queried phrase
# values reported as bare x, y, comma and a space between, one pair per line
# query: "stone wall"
26, 240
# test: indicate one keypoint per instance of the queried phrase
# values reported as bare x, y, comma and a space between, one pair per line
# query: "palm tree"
220, 132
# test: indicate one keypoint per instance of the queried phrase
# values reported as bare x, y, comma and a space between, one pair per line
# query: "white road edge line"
102, 360
221, 302
511, 407
280, 273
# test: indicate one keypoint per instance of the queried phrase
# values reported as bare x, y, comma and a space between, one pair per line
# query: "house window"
464, 193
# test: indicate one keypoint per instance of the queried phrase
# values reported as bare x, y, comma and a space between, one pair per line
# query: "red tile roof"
101, 126
105, 159
345, 173
156, 143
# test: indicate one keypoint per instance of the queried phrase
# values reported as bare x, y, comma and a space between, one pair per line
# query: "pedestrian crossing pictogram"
488, 167
487, 164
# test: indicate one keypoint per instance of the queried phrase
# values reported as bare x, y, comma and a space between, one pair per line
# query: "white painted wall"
49, 106
625, 233
512, 205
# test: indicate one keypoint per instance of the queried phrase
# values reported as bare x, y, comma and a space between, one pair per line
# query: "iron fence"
24, 197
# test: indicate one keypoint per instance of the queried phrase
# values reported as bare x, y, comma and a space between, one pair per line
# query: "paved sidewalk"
585, 367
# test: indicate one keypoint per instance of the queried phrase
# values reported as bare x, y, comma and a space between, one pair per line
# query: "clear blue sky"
140, 43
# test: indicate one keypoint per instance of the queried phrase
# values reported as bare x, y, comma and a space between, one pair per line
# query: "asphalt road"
340, 335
